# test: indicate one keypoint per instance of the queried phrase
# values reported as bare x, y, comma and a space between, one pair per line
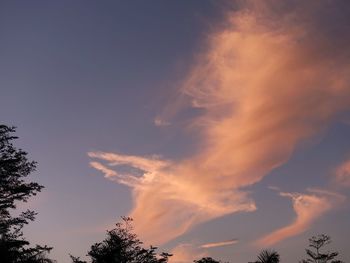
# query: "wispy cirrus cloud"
160, 122
220, 244
342, 174
109, 173
176, 199
308, 208
184, 253
270, 79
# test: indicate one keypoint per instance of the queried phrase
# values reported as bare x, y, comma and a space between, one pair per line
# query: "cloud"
308, 208
274, 76
342, 175
220, 244
106, 171
185, 253
152, 163
160, 122
175, 198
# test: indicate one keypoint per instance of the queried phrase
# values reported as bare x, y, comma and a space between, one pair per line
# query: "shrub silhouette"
123, 246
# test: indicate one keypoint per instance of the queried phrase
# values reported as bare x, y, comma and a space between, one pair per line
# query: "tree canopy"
206, 260
315, 255
14, 168
123, 246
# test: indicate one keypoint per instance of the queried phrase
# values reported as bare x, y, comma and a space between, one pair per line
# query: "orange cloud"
265, 83
220, 244
185, 253
342, 175
308, 208
176, 200
106, 171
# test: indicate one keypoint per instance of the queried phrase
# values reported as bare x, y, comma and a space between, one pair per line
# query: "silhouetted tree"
268, 256
316, 256
14, 168
123, 246
76, 259
206, 260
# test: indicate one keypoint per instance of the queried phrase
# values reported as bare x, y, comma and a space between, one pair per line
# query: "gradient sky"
221, 127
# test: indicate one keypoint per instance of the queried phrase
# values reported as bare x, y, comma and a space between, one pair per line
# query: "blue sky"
246, 97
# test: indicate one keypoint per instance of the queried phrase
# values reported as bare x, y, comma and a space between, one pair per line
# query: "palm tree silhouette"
268, 256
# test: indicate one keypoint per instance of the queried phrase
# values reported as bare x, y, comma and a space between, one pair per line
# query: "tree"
268, 256
316, 256
123, 246
206, 260
14, 168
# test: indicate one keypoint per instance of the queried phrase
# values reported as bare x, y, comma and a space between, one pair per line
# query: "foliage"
316, 256
206, 260
268, 256
123, 246
14, 168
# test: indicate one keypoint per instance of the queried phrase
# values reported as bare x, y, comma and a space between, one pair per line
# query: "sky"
221, 127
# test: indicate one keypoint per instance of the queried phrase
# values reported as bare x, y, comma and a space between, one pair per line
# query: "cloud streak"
220, 244
308, 208
267, 81
184, 253
175, 199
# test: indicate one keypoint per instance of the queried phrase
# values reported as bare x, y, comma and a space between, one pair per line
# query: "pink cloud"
220, 244
106, 171
184, 253
308, 208
265, 83
342, 175
176, 201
